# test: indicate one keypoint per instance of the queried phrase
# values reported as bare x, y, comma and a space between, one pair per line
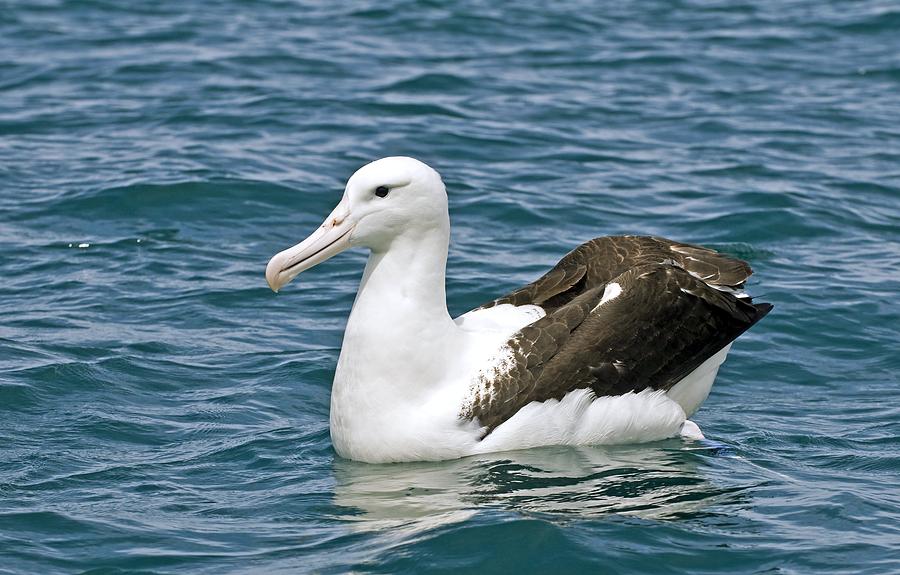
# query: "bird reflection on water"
663, 481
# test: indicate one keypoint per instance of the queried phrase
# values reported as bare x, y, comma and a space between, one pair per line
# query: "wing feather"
662, 325
598, 261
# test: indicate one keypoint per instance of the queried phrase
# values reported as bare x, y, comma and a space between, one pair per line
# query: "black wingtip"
762, 310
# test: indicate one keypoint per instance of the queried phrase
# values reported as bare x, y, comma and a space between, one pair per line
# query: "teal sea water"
162, 411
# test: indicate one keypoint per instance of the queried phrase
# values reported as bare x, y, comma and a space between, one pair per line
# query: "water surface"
161, 411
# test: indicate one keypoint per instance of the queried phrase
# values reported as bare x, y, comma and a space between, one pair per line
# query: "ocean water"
162, 411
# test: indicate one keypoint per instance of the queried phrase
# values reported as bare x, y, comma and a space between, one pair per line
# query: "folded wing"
594, 263
623, 314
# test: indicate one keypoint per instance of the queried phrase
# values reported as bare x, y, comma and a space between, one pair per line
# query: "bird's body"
619, 343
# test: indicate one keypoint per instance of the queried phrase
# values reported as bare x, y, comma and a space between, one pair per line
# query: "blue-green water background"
161, 411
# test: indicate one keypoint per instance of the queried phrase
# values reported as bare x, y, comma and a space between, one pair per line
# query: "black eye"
381, 191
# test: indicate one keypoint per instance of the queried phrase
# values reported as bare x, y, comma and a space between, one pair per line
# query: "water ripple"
164, 412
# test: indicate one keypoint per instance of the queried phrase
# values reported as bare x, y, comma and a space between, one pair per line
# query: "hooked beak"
331, 238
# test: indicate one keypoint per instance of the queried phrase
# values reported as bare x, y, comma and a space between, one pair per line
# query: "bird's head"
383, 200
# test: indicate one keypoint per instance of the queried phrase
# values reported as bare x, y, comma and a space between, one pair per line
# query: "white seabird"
619, 343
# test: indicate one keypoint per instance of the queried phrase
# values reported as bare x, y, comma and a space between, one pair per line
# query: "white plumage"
406, 367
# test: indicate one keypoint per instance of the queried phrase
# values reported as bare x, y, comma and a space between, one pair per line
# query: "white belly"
373, 420
693, 390
580, 418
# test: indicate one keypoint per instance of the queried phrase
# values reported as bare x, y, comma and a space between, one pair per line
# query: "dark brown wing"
663, 324
598, 261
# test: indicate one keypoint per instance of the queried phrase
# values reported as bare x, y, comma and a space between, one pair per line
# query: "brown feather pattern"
667, 320
598, 261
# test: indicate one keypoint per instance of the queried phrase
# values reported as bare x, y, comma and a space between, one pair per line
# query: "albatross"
619, 343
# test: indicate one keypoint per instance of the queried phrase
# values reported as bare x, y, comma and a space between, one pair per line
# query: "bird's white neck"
406, 283
398, 347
